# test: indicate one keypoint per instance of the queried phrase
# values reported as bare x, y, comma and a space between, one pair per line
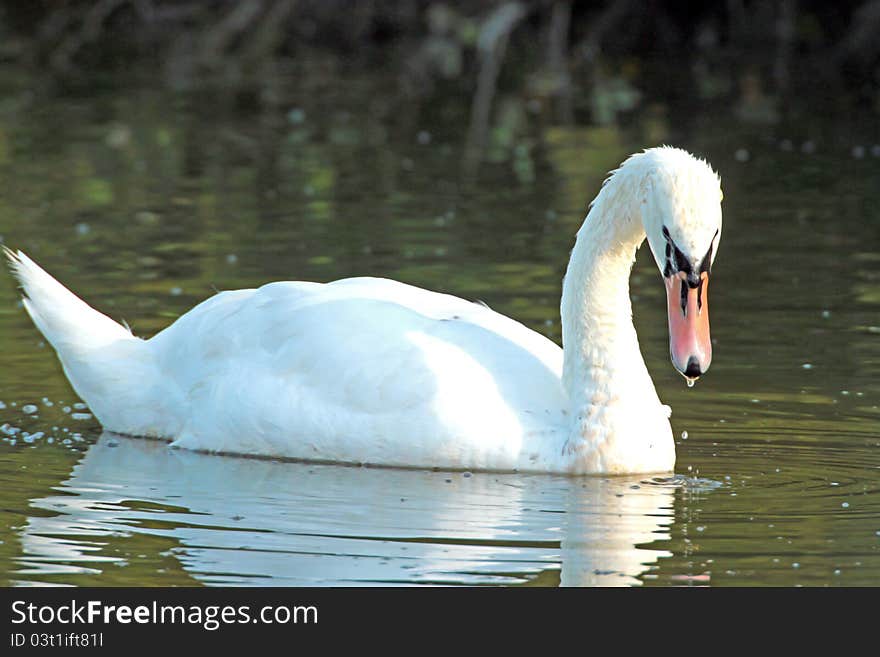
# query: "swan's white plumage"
361, 370
369, 370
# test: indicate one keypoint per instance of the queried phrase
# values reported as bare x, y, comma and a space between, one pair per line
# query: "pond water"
146, 201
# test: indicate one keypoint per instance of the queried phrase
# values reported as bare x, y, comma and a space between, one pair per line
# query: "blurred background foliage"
575, 61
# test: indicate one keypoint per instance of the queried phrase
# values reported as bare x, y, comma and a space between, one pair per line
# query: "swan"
376, 372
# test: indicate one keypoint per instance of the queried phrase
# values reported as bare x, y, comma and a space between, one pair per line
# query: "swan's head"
681, 214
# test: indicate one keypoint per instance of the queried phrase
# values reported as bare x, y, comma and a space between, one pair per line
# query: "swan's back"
362, 370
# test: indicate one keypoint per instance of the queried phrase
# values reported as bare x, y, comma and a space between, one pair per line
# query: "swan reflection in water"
238, 521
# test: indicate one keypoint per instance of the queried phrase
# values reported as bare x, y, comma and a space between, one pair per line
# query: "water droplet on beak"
690, 381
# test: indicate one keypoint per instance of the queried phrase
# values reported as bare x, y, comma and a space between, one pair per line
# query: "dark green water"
144, 202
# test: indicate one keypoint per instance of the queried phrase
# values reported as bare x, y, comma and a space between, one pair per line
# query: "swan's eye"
677, 262
706, 264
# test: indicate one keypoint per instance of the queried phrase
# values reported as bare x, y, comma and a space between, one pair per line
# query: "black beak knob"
692, 370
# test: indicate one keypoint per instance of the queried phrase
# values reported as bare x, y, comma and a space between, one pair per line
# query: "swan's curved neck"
602, 360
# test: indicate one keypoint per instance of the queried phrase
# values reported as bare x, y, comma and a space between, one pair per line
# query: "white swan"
369, 370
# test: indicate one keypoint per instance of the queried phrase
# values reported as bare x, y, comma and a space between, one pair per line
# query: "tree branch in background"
491, 48
219, 37
557, 60
785, 32
861, 38
91, 29
271, 31
590, 46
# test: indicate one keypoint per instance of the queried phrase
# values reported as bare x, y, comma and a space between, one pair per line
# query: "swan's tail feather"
66, 321
110, 369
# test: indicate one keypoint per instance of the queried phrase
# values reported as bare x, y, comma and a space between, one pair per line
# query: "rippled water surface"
145, 202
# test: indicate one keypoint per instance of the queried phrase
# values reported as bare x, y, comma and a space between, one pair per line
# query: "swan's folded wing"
360, 374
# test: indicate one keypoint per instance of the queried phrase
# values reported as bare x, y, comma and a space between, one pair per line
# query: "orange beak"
689, 343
